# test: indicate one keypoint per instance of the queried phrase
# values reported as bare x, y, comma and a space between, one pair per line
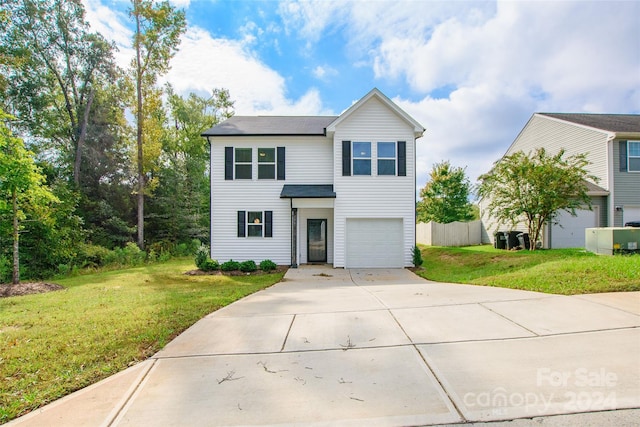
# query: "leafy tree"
56, 65
158, 27
179, 210
534, 188
445, 197
21, 185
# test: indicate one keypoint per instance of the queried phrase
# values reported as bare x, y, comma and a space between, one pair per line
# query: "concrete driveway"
381, 347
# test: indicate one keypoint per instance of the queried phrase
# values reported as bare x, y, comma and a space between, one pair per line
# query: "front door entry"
316, 240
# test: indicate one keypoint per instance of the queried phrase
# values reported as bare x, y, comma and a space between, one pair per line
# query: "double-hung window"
255, 223
387, 158
266, 163
243, 163
361, 158
634, 156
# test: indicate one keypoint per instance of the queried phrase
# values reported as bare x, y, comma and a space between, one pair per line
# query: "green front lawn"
55, 343
557, 271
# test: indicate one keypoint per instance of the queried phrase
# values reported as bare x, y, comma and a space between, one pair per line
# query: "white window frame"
236, 163
251, 223
629, 156
354, 158
394, 158
272, 164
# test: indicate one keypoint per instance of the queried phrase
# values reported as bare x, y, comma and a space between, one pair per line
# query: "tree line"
94, 156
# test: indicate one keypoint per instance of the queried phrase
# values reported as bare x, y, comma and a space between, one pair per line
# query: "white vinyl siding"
374, 196
553, 135
308, 161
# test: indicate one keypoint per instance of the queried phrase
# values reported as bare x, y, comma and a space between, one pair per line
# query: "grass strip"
55, 343
555, 271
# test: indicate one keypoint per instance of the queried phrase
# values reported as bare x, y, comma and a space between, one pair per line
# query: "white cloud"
501, 62
324, 72
204, 63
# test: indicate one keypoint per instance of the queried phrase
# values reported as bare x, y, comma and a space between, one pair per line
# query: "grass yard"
55, 343
556, 271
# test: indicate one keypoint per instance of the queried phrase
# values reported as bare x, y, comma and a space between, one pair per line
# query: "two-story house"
611, 143
320, 189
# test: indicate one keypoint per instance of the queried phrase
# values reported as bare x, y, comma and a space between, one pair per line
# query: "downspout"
610, 182
294, 235
210, 198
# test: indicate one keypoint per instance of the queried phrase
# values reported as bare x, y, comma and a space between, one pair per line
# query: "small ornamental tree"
534, 188
445, 198
21, 187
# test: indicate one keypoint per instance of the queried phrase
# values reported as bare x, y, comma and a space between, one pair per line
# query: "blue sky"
472, 73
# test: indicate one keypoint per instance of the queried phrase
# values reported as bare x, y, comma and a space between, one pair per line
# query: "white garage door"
374, 243
571, 234
630, 213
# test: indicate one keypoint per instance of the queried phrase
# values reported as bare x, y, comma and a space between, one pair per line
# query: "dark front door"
316, 240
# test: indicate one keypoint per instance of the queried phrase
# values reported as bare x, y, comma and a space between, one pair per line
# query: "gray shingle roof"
307, 192
271, 125
608, 122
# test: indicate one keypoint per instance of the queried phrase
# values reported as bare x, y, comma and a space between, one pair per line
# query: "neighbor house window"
243, 163
362, 158
634, 156
386, 158
266, 163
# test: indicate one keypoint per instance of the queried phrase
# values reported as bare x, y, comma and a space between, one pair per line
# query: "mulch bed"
279, 269
9, 290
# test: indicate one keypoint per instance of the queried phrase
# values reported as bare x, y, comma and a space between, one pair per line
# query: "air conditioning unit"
612, 240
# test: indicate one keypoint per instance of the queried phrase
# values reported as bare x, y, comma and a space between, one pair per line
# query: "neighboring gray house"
612, 145
326, 189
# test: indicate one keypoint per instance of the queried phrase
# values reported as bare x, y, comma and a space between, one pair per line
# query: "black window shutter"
346, 158
228, 163
623, 156
268, 223
241, 223
402, 158
281, 164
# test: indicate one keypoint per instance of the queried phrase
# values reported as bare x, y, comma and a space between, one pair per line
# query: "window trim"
629, 157
237, 163
354, 158
249, 223
273, 163
394, 158
244, 224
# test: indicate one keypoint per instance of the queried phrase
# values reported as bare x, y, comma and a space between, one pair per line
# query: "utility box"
612, 240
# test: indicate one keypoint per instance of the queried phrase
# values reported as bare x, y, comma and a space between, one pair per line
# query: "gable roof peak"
418, 129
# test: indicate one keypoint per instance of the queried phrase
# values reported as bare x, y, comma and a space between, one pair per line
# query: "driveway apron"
379, 347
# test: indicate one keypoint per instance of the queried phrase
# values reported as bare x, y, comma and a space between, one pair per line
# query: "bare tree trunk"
81, 138
16, 242
140, 117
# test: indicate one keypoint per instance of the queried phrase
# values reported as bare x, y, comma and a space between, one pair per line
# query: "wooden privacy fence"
452, 234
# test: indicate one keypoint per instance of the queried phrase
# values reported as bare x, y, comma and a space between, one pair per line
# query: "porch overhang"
313, 191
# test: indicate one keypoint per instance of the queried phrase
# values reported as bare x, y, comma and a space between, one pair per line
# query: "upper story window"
391, 158
238, 163
362, 158
386, 158
634, 156
266, 163
243, 163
